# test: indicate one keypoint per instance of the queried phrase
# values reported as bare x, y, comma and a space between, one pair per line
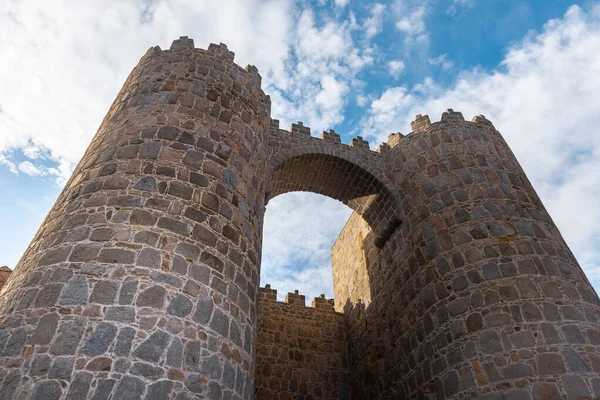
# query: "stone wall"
350, 258
300, 351
5, 273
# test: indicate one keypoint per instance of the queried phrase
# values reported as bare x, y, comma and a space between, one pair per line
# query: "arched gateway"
142, 282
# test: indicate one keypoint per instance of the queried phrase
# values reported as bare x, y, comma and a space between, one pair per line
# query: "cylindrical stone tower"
477, 295
141, 282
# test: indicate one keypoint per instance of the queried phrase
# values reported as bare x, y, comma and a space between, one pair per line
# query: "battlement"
184, 43
420, 123
328, 136
296, 299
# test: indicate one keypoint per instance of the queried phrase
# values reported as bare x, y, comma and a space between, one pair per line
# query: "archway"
343, 180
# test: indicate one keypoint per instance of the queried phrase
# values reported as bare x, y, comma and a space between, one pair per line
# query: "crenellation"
322, 303
359, 143
296, 299
253, 71
331, 136
299, 128
451, 115
222, 50
267, 293
383, 148
421, 122
394, 139
182, 43
481, 119
273, 126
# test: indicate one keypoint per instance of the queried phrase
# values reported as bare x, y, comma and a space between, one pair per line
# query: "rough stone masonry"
142, 282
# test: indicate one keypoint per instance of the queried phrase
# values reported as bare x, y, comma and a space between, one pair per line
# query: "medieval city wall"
300, 351
142, 282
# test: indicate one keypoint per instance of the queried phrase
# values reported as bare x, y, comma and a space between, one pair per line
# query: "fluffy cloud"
63, 63
544, 99
55, 57
396, 67
28, 168
323, 62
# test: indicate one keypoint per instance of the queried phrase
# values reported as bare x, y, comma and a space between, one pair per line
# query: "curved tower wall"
142, 279
477, 295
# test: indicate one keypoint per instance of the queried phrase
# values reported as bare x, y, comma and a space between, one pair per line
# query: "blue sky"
361, 68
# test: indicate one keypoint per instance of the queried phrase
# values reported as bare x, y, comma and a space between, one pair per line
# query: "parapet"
267, 293
185, 43
451, 115
420, 123
222, 50
296, 299
299, 128
182, 43
328, 136
322, 303
273, 125
481, 119
331, 136
360, 143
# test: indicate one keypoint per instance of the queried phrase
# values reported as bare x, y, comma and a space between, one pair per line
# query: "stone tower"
142, 282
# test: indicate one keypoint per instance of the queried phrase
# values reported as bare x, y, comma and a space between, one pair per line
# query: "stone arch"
352, 176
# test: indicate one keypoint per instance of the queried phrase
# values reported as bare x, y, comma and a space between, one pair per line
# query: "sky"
361, 68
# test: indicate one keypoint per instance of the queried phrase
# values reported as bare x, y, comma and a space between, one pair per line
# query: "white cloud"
411, 20
544, 99
28, 168
299, 230
396, 67
323, 64
374, 24
442, 61
64, 63
341, 3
